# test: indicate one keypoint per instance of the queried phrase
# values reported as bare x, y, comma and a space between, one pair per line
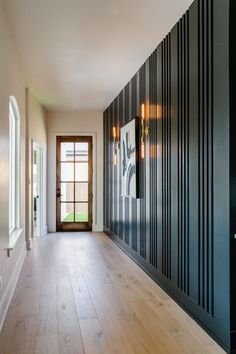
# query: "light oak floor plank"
79, 293
70, 338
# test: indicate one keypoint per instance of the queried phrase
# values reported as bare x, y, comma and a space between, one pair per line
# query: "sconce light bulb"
142, 111
115, 159
114, 132
142, 151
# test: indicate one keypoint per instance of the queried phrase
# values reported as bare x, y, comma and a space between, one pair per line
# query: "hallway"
79, 293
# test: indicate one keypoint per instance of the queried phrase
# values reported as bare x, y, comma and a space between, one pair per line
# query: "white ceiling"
79, 54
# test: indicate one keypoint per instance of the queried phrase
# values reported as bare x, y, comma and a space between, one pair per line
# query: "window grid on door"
78, 164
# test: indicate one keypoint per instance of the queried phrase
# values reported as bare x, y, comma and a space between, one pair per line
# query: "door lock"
58, 194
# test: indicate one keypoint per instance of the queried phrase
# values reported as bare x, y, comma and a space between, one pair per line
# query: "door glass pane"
67, 151
67, 172
81, 172
67, 192
81, 212
67, 212
81, 151
81, 192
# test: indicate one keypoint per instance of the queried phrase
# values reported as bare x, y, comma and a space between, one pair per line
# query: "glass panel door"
74, 183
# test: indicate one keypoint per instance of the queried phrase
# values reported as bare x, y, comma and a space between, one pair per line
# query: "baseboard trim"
97, 228
7, 296
29, 244
45, 231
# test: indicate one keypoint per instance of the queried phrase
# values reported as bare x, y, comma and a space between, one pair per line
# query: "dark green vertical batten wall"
181, 228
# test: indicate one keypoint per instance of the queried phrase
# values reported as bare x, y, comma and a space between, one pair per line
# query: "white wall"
76, 123
11, 83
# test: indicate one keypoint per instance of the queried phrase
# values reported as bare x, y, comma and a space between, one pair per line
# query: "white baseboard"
7, 296
29, 244
97, 228
45, 231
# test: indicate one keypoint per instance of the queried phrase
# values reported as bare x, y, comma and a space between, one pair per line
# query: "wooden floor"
79, 293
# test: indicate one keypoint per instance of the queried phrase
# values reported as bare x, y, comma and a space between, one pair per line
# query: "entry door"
74, 183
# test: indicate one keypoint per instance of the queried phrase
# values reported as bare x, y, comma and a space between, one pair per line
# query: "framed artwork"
129, 159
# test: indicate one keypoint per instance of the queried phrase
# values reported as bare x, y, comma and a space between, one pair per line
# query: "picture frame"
129, 143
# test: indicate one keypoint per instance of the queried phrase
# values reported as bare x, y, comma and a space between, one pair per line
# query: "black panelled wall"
180, 228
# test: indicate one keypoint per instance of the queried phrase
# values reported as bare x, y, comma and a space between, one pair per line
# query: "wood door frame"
74, 226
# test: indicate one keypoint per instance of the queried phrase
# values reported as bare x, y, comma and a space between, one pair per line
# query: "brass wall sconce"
116, 145
144, 131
